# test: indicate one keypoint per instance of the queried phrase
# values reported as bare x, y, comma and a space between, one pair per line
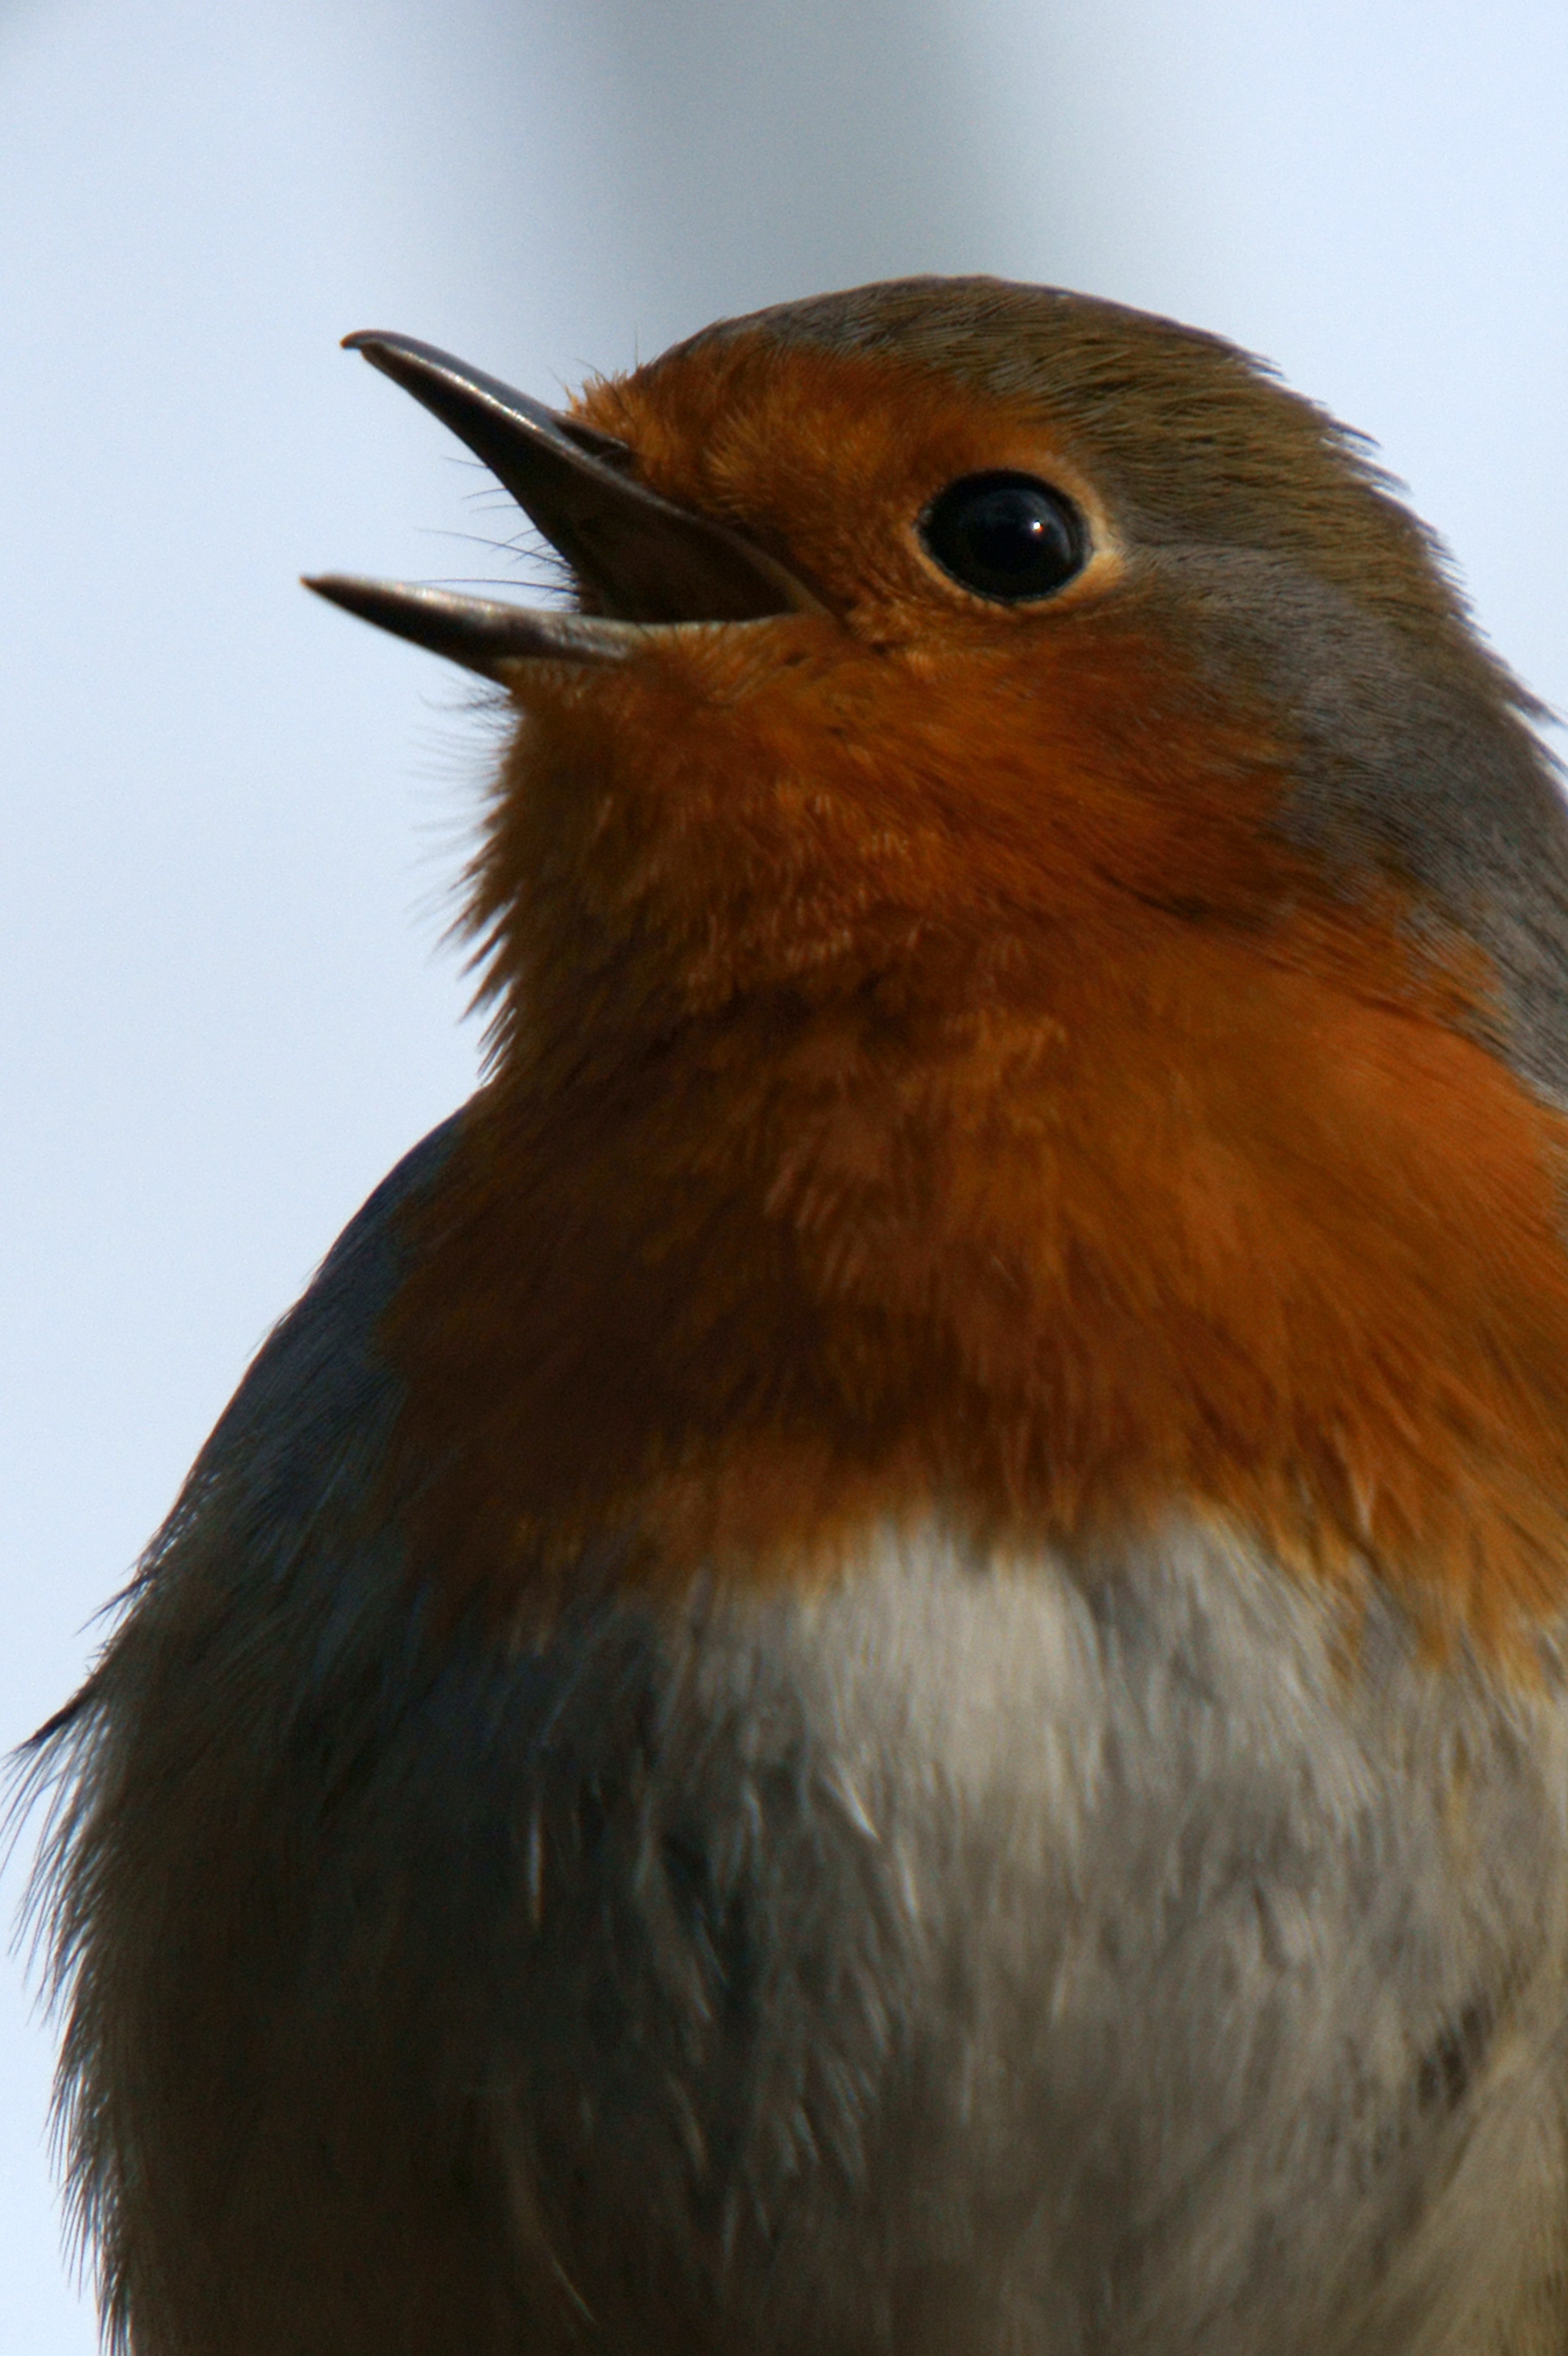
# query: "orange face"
935, 1076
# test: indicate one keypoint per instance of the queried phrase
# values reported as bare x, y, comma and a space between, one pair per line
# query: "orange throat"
872, 1190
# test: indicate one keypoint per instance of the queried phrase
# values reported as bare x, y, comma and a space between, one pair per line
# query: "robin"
878, 1670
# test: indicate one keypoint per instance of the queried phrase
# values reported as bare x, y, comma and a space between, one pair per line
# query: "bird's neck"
1085, 1244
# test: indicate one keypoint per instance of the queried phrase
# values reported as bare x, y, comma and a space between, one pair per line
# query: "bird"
879, 1668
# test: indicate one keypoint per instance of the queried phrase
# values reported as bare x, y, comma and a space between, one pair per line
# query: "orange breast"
1003, 1120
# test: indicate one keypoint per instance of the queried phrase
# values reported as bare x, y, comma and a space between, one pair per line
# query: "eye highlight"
1006, 536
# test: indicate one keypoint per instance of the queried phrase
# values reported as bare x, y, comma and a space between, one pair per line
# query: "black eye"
1005, 536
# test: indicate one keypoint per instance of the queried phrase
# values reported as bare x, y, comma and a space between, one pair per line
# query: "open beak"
641, 560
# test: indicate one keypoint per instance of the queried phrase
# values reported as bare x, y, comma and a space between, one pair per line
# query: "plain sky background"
233, 818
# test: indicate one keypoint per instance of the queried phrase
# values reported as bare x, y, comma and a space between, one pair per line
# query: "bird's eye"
1005, 536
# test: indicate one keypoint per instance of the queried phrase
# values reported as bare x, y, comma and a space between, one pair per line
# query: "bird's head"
955, 613
1020, 853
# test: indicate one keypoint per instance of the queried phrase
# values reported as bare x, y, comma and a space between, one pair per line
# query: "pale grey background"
233, 817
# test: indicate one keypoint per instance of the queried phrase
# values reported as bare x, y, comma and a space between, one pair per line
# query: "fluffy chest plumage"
986, 1956
977, 1954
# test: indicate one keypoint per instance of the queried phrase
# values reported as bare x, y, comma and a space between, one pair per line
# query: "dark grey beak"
641, 560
